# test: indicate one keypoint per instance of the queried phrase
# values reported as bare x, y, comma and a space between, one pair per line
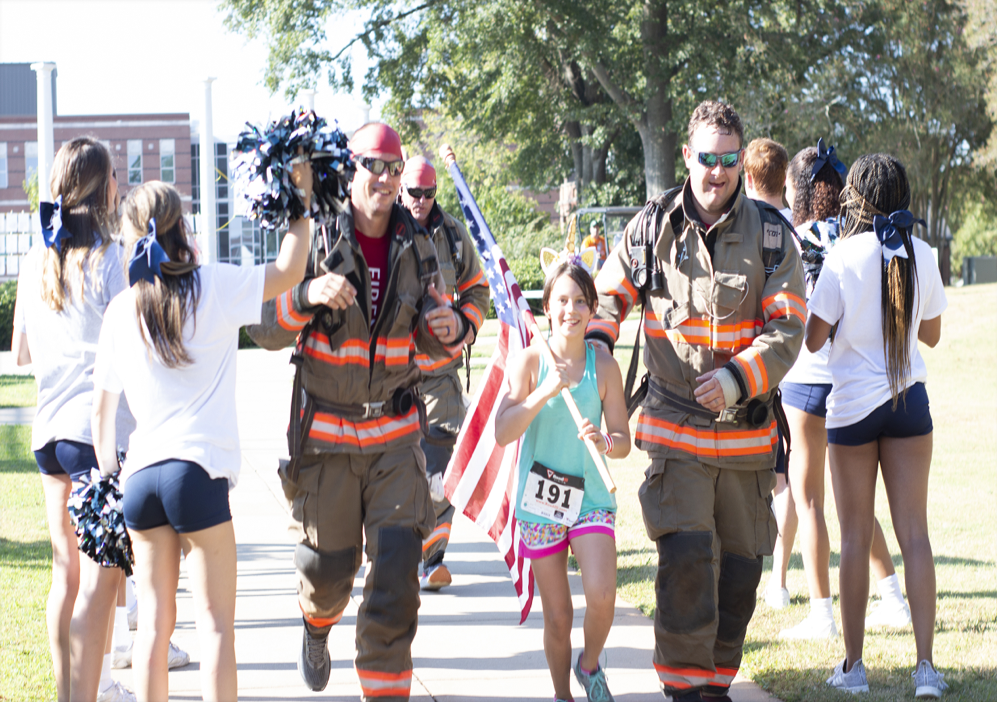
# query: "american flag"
481, 480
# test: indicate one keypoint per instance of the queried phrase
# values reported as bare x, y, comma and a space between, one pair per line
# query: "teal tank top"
552, 439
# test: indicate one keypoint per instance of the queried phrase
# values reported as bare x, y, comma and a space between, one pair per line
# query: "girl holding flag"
169, 343
561, 499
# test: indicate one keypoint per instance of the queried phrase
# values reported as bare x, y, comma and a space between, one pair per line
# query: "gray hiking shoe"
854, 681
596, 689
313, 663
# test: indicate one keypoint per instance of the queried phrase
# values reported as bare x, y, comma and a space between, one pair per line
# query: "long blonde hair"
877, 185
166, 303
81, 174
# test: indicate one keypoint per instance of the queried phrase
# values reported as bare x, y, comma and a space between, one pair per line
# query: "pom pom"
95, 509
264, 160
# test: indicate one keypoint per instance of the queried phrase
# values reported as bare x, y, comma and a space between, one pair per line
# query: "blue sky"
140, 56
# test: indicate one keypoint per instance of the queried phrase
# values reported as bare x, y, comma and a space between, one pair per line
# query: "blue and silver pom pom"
264, 160
95, 509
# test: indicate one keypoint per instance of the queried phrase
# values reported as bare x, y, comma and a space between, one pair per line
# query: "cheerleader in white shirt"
877, 412
169, 343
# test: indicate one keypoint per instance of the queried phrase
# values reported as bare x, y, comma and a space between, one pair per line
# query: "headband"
376, 138
419, 172
52, 230
889, 231
551, 259
146, 263
826, 155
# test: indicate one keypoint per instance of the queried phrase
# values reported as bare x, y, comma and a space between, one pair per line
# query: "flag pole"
450, 161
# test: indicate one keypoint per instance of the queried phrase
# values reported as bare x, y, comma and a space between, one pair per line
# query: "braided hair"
816, 200
877, 185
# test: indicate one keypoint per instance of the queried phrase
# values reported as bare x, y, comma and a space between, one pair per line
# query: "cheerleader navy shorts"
178, 493
64, 457
911, 418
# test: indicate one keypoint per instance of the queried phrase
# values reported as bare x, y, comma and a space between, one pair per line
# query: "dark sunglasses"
377, 165
726, 160
419, 193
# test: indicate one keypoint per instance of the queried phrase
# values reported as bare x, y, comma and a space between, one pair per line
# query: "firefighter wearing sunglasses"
722, 295
467, 288
372, 299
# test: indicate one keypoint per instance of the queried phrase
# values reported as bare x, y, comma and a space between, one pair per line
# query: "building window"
134, 161
3, 164
167, 169
30, 159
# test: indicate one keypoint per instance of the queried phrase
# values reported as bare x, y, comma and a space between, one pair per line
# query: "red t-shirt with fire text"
375, 253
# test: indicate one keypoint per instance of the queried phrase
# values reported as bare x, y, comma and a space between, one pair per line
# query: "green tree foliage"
30, 188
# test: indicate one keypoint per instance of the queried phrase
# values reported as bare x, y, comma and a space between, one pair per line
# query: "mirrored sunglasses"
418, 193
377, 166
726, 160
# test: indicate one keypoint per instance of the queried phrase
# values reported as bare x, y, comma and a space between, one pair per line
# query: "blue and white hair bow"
52, 230
147, 259
889, 231
826, 155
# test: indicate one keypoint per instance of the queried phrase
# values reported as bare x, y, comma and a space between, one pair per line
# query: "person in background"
765, 163
882, 290
596, 240
64, 287
467, 287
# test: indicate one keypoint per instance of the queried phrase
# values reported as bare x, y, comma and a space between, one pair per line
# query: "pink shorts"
540, 540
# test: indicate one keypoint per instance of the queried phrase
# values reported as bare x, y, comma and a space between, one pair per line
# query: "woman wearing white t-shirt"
877, 412
169, 343
813, 189
65, 284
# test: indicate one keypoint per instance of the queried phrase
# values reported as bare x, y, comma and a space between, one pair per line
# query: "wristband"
609, 442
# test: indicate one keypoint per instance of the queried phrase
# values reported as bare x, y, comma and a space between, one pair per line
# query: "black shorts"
64, 457
178, 493
912, 418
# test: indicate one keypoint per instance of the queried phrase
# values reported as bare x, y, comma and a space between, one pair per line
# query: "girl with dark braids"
877, 412
813, 189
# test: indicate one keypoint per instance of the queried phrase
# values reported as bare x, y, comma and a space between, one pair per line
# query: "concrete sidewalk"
469, 645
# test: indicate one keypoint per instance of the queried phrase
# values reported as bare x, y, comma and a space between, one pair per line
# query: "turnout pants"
711, 526
445, 410
336, 501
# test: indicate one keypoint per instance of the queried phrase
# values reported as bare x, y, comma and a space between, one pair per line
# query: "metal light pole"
208, 234
46, 130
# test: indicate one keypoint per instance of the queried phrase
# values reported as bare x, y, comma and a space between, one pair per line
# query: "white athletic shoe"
122, 657
116, 693
888, 614
854, 681
928, 681
777, 597
811, 628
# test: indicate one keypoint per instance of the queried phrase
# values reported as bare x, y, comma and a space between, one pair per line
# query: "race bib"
553, 495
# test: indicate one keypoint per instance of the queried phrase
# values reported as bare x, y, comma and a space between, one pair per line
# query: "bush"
245, 342
8, 294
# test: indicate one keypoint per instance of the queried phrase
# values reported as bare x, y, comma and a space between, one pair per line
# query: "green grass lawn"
18, 391
25, 572
962, 385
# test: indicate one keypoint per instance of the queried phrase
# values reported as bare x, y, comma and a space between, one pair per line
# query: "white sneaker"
928, 681
122, 657
116, 693
888, 614
854, 681
811, 628
132, 613
777, 598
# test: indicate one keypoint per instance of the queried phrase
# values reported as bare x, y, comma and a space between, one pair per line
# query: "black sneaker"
313, 663
694, 696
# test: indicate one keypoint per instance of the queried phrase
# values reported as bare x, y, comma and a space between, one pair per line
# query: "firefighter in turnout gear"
441, 386
722, 291
371, 301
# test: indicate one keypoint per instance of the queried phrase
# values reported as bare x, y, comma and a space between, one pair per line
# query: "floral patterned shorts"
540, 540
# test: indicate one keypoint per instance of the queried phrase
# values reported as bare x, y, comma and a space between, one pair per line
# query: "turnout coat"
744, 309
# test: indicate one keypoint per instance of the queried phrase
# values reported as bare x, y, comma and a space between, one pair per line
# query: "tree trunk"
659, 143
